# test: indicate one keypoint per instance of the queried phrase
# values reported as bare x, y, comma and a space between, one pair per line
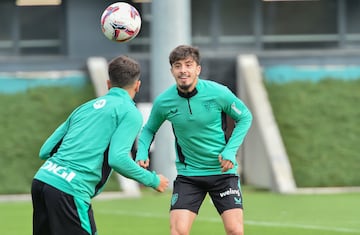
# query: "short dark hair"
184, 51
123, 71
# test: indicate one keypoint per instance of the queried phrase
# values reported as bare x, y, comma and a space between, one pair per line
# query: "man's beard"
185, 87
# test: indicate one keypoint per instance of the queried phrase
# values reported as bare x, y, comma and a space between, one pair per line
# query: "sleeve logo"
235, 109
99, 104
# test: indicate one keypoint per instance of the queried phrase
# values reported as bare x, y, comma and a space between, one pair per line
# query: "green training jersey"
198, 123
95, 139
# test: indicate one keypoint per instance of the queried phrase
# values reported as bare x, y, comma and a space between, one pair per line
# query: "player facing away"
84, 150
205, 159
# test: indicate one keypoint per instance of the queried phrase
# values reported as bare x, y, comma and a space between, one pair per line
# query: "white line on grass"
302, 226
249, 222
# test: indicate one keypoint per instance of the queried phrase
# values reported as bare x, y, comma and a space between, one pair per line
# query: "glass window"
7, 22
200, 18
220, 23
236, 17
237, 24
30, 29
40, 29
353, 16
300, 17
40, 22
300, 24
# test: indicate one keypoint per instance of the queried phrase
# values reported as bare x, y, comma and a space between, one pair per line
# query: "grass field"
265, 213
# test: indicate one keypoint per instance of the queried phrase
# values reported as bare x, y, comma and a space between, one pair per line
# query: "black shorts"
58, 213
189, 192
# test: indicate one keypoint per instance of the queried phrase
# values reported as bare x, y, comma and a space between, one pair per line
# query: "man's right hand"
144, 164
164, 183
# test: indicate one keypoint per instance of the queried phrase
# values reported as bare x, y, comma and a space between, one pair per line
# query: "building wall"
83, 32
63, 37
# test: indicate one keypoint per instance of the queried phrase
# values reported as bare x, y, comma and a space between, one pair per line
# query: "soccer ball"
120, 22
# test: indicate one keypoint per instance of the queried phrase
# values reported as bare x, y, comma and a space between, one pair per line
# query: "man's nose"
183, 69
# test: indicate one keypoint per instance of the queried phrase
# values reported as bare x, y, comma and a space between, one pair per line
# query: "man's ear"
137, 86
198, 70
108, 84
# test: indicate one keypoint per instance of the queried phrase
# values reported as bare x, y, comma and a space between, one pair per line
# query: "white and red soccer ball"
120, 22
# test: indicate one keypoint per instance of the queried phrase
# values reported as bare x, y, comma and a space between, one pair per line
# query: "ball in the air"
120, 22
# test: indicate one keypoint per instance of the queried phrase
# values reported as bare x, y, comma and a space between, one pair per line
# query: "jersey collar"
119, 92
187, 94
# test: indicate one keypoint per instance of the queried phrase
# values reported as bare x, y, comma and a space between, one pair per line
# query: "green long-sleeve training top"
95, 139
198, 123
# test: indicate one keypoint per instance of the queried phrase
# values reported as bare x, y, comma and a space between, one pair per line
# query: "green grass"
265, 213
320, 126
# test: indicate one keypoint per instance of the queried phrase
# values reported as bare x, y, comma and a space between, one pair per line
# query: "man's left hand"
225, 164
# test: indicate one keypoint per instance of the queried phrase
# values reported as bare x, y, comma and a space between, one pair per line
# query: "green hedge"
320, 126
27, 119
319, 123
